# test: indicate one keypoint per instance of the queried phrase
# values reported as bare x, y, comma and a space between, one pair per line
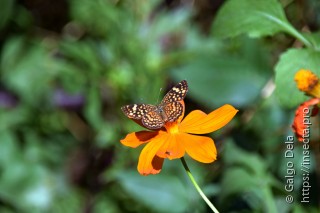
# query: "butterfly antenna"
159, 96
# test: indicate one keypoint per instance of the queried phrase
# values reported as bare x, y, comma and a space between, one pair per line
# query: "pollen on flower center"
172, 127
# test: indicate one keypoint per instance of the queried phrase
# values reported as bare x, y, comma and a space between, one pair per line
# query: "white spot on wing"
134, 108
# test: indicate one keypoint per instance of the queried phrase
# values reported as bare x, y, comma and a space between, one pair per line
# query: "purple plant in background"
7, 99
68, 101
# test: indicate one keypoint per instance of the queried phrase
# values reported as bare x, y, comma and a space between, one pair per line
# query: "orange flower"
309, 83
299, 125
175, 139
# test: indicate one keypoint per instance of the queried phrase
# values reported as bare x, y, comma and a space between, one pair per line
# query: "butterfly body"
155, 116
162, 113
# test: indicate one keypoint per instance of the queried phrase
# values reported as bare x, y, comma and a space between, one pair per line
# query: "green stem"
298, 36
204, 197
288, 27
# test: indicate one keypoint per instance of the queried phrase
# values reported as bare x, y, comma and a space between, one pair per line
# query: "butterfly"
155, 116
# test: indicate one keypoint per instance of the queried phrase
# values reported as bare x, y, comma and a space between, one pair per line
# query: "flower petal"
148, 163
154, 168
197, 122
193, 116
157, 163
172, 149
137, 138
200, 148
299, 125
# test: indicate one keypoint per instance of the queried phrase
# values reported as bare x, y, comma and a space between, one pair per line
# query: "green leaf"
28, 69
245, 182
93, 108
68, 201
249, 161
237, 77
162, 193
15, 117
9, 150
314, 39
289, 63
255, 17
104, 203
251, 175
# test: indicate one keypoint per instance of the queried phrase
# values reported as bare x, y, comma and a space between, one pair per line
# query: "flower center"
172, 127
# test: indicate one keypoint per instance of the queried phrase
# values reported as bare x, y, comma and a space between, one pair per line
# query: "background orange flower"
309, 83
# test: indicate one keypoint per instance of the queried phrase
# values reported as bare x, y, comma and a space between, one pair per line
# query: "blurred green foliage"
67, 67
